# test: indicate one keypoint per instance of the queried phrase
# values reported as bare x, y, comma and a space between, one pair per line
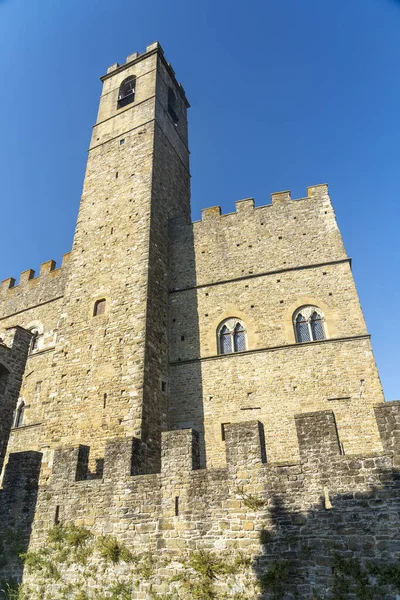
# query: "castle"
193, 387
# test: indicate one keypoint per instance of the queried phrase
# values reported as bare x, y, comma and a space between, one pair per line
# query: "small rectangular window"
38, 389
176, 506
121, 142
164, 386
99, 308
223, 425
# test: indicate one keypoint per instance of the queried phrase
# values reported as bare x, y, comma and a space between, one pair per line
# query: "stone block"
245, 445
179, 451
317, 435
388, 420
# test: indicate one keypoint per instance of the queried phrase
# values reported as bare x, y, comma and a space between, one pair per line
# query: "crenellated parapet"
254, 240
137, 56
48, 271
388, 419
318, 438
249, 502
30, 290
318, 193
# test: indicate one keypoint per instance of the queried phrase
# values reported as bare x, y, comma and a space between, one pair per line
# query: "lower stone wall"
324, 527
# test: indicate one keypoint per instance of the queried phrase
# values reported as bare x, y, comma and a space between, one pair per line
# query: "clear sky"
284, 94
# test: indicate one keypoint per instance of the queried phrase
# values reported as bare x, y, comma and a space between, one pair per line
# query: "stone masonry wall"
281, 235
305, 514
260, 265
14, 348
35, 302
273, 386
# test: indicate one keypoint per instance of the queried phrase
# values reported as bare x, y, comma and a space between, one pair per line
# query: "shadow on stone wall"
331, 529
18, 499
186, 407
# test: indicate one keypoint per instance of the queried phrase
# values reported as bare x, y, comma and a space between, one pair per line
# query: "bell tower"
110, 363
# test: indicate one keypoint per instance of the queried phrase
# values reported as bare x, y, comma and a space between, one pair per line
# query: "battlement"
317, 433
48, 270
10, 339
273, 511
319, 193
255, 239
137, 56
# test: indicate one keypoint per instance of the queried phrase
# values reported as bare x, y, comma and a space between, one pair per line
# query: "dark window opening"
302, 329
19, 418
223, 432
99, 308
126, 93
172, 106
317, 329
176, 506
225, 340
57, 516
34, 340
164, 386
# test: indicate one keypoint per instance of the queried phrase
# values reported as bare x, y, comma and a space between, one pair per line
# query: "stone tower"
110, 363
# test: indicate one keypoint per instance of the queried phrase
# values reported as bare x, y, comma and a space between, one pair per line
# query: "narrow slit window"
19, 417
172, 106
38, 389
176, 506
34, 340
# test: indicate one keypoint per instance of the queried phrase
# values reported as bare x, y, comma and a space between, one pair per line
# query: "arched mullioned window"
126, 93
99, 307
309, 324
231, 335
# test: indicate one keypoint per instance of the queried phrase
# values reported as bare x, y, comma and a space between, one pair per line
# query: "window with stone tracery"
231, 336
309, 324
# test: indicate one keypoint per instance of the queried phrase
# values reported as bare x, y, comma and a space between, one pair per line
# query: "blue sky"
284, 94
